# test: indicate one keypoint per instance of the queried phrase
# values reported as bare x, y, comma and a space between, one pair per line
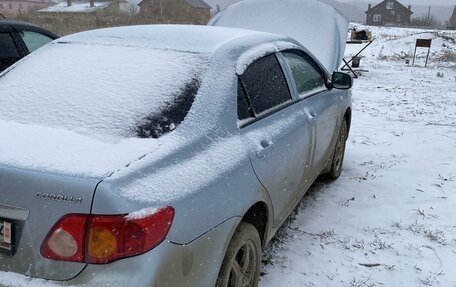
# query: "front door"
322, 106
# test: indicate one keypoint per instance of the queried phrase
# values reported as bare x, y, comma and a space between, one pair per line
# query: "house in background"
17, 7
196, 8
389, 13
84, 7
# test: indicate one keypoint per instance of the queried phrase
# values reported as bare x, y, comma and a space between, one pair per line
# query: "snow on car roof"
254, 53
317, 26
190, 38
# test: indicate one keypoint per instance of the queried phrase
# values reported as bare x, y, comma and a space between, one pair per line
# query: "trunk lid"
31, 202
317, 26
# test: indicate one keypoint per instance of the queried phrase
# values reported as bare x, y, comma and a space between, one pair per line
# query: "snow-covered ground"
390, 219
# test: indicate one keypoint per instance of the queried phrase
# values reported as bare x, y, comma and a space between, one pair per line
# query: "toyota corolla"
161, 155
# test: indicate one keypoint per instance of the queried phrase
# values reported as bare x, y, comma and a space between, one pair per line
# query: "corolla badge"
58, 197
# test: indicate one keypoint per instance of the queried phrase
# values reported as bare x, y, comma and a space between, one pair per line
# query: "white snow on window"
95, 89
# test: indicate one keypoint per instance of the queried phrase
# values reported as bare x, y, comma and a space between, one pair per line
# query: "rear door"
276, 127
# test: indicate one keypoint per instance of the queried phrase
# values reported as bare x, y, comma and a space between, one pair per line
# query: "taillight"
66, 239
102, 239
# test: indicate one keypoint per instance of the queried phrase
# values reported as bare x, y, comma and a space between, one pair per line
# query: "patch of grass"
448, 56
362, 283
435, 235
359, 244
396, 224
378, 244
325, 235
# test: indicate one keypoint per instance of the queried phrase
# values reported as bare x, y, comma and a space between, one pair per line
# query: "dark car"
18, 39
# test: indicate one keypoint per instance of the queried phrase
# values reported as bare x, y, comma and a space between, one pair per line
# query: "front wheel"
339, 152
241, 265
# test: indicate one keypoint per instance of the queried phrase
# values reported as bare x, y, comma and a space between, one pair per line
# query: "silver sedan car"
160, 155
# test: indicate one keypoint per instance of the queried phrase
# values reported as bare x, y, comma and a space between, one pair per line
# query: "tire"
339, 152
241, 264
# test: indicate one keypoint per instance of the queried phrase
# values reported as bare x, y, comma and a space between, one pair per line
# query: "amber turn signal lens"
102, 243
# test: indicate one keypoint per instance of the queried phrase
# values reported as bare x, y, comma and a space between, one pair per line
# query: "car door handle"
266, 147
312, 116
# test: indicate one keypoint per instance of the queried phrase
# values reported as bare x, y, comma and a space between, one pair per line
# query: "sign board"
423, 43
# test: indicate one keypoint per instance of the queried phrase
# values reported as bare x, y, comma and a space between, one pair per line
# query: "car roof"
16, 23
173, 37
8, 25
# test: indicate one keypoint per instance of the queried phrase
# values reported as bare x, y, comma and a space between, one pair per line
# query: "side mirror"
341, 81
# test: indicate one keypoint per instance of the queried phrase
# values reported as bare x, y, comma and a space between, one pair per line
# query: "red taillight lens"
66, 239
105, 238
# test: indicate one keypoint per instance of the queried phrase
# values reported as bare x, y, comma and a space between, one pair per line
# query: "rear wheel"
241, 265
339, 152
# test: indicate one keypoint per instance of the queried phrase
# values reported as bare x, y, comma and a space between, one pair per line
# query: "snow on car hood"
317, 26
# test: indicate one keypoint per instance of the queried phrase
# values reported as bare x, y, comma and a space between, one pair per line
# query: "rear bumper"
195, 264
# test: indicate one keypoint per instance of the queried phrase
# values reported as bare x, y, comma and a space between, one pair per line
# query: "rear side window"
34, 40
8, 51
171, 115
262, 87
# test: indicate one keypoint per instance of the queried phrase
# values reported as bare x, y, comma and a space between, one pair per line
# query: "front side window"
389, 5
377, 17
262, 87
34, 40
8, 51
308, 77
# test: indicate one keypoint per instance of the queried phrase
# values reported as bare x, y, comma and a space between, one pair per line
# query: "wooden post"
427, 57
414, 55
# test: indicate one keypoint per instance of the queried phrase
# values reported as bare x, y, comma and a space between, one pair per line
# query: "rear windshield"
103, 89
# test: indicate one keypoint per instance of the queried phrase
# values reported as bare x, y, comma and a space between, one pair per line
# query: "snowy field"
390, 220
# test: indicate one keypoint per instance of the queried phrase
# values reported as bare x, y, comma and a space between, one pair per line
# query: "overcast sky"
411, 2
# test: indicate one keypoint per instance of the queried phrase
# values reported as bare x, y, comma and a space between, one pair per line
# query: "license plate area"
6, 236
